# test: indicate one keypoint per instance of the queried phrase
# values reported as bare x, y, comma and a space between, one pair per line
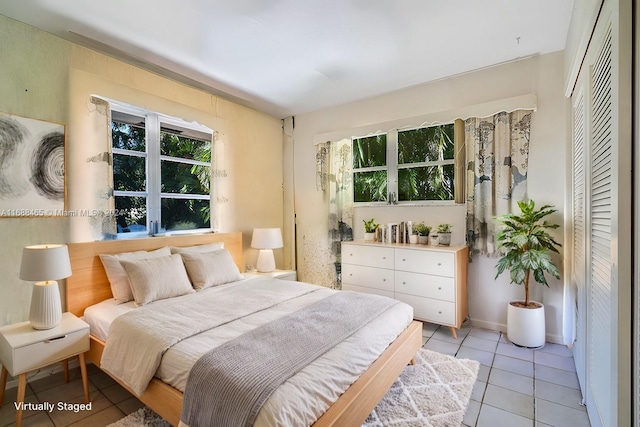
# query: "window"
405, 165
161, 172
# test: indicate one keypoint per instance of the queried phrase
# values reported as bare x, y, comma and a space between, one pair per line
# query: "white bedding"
99, 316
306, 395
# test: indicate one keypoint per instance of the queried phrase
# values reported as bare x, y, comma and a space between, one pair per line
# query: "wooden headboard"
88, 283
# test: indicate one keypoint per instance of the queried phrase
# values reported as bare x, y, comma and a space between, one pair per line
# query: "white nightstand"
277, 274
24, 349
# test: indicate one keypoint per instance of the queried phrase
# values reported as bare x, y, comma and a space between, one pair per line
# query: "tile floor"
515, 387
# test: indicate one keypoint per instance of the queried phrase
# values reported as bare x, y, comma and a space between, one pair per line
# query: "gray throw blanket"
229, 384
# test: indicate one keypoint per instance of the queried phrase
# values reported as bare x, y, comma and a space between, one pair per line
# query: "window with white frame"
409, 165
161, 172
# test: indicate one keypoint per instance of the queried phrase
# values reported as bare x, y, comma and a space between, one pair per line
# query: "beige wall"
488, 298
47, 78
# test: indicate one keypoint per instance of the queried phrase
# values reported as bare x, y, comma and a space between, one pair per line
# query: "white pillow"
210, 268
157, 278
197, 249
120, 287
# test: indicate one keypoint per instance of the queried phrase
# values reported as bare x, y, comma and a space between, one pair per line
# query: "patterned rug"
435, 392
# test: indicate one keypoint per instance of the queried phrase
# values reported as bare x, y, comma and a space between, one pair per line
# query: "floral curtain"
497, 165
340, 199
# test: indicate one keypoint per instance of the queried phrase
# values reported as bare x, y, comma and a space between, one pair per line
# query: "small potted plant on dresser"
525, 245
370, 229
444, 234
422, 231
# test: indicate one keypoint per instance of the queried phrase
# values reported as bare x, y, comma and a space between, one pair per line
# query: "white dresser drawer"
372, 256
431, 310
43, 353
369, 277
355, 288
425, 285
425, 262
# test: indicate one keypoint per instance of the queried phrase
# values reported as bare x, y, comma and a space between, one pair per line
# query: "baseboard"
551, 338
489, 325
43, 372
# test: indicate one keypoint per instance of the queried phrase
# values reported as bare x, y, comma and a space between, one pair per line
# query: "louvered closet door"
601, 329
579, 241
602, 185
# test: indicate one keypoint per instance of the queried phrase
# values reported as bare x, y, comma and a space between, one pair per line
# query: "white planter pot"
526, 326
413, 239
369, 236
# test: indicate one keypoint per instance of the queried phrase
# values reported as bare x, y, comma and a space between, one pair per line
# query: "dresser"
431, 279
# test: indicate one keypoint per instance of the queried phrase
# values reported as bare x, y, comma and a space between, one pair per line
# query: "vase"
370, 237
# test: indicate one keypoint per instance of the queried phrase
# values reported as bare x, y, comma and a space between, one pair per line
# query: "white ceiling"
287, 57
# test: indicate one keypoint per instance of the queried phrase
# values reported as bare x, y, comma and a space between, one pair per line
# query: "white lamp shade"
45, 262
266, 238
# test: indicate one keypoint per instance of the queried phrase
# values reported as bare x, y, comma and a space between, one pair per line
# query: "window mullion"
392, 164
153, 169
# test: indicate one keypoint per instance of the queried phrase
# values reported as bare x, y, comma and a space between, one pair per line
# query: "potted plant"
444, 234
525, 245
370, 229
422, 231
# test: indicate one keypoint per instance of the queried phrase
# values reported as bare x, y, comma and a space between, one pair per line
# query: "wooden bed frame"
89, 285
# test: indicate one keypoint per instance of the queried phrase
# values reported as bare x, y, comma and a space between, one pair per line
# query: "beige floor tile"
511, 381
70, 414
559, 415
566, 396
509, 400
495, 417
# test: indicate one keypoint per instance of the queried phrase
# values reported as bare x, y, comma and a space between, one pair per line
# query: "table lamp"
266, 239
45, 264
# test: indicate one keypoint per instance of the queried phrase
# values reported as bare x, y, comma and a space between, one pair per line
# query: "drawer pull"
439, 288
439, 312
404, 283
384, 280
403, 259
50, 340
439, 264
384, 257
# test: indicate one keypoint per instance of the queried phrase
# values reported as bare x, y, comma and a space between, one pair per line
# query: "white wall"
47, 78
542, 75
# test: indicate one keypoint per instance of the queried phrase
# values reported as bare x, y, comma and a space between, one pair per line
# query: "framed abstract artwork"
32, 170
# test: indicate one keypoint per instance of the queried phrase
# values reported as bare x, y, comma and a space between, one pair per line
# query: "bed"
89, 286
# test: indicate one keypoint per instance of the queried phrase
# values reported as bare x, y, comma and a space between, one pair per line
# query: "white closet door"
600, 325
579, 249
601, 216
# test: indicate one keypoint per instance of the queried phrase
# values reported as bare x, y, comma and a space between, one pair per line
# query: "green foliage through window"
370, 169
426, 163
424, 170
182, 164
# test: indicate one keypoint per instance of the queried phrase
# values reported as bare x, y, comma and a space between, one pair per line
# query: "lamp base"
46, 309
266, 262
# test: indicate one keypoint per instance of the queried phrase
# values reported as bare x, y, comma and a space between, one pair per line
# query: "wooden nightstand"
24, 349
277, 274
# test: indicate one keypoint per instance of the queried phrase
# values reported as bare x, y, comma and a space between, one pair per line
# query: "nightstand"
24, 349
277, 274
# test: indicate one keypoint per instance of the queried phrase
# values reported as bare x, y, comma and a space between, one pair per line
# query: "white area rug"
435, 392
